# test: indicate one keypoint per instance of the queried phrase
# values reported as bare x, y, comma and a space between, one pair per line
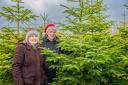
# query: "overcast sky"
55, 12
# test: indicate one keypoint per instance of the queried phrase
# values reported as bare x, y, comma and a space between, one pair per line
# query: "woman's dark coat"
28, 65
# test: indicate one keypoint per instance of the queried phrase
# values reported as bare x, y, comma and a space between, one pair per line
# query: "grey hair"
30, 34
52, 28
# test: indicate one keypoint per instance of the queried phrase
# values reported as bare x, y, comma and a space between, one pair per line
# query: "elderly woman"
27, 61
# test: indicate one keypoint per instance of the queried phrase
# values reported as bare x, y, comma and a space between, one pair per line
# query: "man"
50, 41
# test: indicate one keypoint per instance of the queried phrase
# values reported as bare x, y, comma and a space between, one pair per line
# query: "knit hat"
30, 33
49, 26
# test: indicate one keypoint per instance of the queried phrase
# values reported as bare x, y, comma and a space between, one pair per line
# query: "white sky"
39, 6
51, 7
55, 12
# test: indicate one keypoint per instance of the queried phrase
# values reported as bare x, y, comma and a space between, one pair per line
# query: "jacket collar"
45, 38
26, 44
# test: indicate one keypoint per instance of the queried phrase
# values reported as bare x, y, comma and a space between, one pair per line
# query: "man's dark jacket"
52, 45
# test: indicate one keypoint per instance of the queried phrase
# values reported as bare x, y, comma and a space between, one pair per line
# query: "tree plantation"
93, 54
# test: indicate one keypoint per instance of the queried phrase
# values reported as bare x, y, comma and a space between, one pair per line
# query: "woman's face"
33, 39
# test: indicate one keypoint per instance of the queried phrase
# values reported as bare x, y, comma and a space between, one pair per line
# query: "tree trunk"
18, 21
18, 26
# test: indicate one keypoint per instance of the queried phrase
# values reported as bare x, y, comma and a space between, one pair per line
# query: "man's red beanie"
49, 26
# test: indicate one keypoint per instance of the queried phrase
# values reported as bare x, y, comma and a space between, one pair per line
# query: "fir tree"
17, 13
86, 17
8, 40
95, 56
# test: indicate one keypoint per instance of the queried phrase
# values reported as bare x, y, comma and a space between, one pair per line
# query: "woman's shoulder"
21, 44
20, 47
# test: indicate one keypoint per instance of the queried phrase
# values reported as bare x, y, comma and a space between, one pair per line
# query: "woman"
27, 61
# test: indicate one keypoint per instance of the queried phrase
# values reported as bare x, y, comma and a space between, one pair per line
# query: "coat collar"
45, 38
25, 44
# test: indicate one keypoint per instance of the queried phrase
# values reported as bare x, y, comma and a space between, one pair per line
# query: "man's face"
51, 34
